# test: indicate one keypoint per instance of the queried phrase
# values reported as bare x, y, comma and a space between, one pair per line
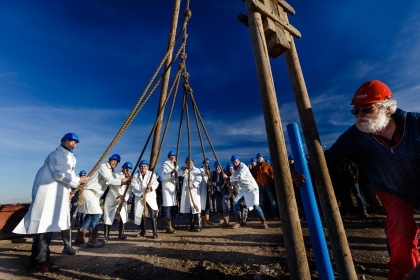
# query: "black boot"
106, 232
66, 236
244, 216
191, 221
154, 227
121, 230
142, 232
199, 222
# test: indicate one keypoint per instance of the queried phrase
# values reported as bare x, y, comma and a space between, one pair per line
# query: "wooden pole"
337, 236
292, 231
165, 82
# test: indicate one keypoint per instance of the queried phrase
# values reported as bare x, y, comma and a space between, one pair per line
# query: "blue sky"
80, 66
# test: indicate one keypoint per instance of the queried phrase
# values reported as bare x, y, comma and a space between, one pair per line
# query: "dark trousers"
41, 248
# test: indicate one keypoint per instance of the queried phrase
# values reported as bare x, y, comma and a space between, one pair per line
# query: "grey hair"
389, 104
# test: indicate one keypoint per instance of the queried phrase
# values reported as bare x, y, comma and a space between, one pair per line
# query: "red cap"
371, 92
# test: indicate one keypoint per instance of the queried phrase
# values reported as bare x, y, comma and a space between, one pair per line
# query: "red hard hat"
371, 92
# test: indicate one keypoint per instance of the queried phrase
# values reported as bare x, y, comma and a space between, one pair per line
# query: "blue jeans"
225, 202
359, 197
266, 190
237, 209
91, 221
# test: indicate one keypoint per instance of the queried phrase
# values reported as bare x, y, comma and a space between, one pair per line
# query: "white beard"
373, 124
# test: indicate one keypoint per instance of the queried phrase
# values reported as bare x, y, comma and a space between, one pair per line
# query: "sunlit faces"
69, 144
189, 164
143, 168
374, 121
218, 169
236, 162
172, 158
260, 159
113, 163
126, 171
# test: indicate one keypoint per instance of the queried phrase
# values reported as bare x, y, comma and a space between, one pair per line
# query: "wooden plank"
286, 6
260, 7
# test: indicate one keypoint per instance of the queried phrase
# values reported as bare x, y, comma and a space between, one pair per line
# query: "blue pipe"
316, 232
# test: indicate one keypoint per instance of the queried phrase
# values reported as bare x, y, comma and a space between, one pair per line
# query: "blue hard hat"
207, 160
71, 136
259, 155
233, 158
171, 153
128, 164
216, 164
253, 160
291, 157
188, 159
143, 161
115, 157
82, 172
229, 165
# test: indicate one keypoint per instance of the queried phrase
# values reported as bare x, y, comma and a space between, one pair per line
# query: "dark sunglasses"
368, 110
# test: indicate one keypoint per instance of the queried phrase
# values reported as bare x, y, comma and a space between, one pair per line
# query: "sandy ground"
250, 252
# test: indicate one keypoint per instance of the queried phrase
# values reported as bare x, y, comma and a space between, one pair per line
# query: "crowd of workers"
379, 155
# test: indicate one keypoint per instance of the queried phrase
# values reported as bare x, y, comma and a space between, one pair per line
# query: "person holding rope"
190, 197
169, 190
205, 188
112, 201
144, 185
49, 210
384, 142
91, 208
248, 191
225, 189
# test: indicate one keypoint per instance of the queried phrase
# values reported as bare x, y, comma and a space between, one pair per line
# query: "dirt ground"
250, 252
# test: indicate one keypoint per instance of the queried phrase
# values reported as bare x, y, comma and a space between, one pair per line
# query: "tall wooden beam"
292, 231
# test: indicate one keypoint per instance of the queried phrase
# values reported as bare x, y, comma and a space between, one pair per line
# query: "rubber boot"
169, 228
205, 221
107, 228
191, 222
154, 227
94, 242
263, 222
244, 216
82, 237
208, 219
66, 236
199, 222
225, 220
238, 222
142, 231
121, 230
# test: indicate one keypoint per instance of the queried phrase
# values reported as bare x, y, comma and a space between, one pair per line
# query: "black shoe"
69, 251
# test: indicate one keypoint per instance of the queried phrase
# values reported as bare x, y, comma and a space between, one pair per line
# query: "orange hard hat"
371, 92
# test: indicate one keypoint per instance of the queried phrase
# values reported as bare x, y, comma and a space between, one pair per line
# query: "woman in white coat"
113, 200
144, 185
169, 195
49, 210
248, 191
91, 207
190, 197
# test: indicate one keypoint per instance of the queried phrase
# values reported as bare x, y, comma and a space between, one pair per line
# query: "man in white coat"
91, 207
205, 186
248, 191
190, 197
144, 185
169, 195
117, 194
49, 210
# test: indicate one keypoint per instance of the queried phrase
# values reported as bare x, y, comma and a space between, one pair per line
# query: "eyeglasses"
366, 111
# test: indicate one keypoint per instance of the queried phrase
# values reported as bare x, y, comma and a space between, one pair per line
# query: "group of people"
384, 143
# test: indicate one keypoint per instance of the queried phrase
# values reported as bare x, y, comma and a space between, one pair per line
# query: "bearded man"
384, 142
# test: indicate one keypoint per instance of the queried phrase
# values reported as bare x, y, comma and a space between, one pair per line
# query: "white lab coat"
186, 203
248, 188
111, 202
49, 210
203, 188
97, 185
168, 184
139, 185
